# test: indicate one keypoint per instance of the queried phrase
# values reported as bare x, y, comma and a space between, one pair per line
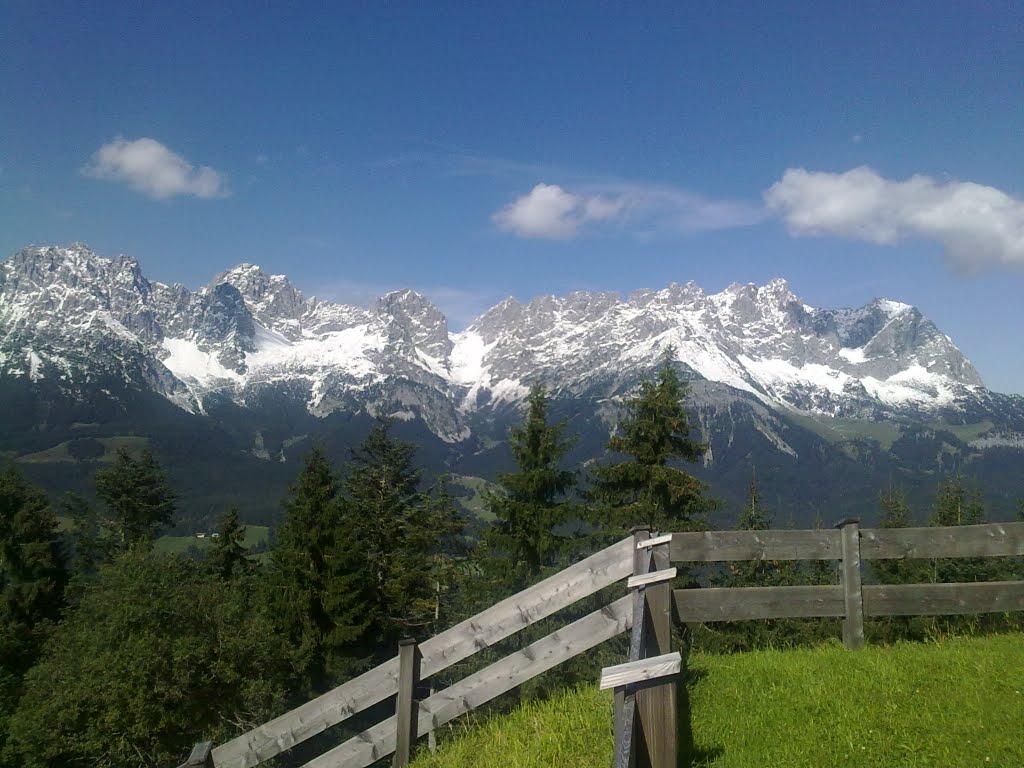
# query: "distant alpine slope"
79, 327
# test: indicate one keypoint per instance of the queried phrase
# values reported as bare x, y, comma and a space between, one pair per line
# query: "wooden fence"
645, 686
850, 600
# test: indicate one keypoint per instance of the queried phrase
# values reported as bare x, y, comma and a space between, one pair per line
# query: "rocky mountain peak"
411, 319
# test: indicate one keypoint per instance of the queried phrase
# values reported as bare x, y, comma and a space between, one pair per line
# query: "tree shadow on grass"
690, 754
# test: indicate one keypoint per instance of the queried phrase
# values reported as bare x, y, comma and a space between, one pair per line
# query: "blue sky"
474, 151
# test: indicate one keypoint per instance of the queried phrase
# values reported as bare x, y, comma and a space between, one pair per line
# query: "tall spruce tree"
310, 588
138, 497
646, 488
397, 534
32, 580
754, 516
228, 554
957, 504
532, 500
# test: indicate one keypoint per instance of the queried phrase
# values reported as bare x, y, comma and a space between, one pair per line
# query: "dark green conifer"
33, 575
396, 536
646, 488
309, 583
138, 497
532, 500
228, 554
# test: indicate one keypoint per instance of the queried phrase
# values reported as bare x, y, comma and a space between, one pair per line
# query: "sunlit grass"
959, 702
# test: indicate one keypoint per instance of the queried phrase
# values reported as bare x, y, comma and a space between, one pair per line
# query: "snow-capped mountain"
92, 354
73, 316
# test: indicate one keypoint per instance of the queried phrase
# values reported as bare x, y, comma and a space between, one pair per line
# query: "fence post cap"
847, 521
406, 641
640, 529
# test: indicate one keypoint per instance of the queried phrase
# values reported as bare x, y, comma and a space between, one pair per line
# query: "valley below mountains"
230, 384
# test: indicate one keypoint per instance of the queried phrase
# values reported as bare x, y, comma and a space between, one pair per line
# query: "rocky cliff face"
70, 315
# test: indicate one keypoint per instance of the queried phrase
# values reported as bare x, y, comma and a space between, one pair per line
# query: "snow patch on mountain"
81, 314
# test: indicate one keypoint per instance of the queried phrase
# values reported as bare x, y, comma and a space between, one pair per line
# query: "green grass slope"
951, 704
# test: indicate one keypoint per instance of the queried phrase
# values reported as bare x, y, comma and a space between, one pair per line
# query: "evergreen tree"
532, 500
138, 498
158, 654
896, 514
957, 504
397, 534
228, 556
310, 589
90, 539
32, 580
646, 488
754, 517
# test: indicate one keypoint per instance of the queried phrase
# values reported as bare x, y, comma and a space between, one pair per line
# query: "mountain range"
232, 381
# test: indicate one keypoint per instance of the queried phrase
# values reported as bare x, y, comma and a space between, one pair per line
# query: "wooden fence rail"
496, 623
851, 600
645, 705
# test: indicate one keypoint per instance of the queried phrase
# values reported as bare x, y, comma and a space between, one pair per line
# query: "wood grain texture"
738, 603
715, 546
650, 578
379, 741
849, 580
438, 653
943, 599
989, 540
641, 670
200, 756
405, 704
664, 538
656, 740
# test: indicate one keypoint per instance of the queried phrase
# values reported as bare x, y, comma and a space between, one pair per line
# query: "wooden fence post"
656, 703
645, 712
200, 757
405, 705
849, 580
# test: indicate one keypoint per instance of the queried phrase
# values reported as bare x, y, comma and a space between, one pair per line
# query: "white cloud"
147, 166
977, 225
551, 212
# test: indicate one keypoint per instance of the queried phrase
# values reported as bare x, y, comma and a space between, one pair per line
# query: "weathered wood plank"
942, 599
656, 740
438, 653
405, 705
714, 546
479, 688
988, 540
849, 580
650, 578
641, 670
200, 756
665, 538
738, 603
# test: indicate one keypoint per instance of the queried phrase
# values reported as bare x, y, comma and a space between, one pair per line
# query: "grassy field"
254, 534
952, 704
61, 453
474, 503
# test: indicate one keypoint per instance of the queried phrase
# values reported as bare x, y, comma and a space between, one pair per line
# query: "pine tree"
396, 536
138, 497
896, 514
33, 575
754, 517
309, 586
228, 555
532, 500
646, 488
158, 654
957, 504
